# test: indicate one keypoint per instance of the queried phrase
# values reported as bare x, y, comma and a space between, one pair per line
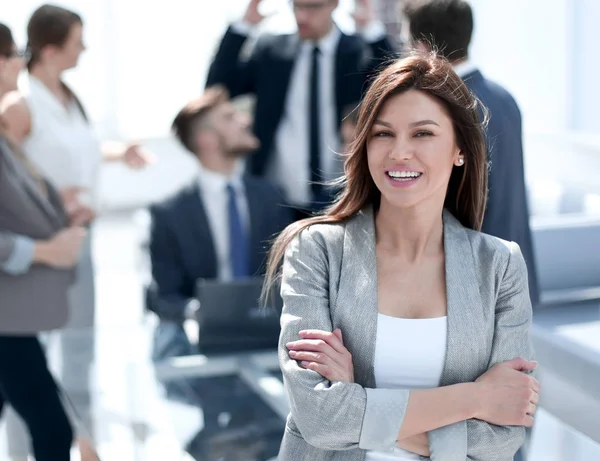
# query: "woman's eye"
380, 134
421, 134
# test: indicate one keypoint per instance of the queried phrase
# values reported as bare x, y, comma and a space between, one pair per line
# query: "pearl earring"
461, 161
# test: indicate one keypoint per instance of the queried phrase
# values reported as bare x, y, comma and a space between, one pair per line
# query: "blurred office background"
145, 60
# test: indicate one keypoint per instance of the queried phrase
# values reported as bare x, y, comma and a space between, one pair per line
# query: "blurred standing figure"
302, 83
448, 26
50, 123
38, 250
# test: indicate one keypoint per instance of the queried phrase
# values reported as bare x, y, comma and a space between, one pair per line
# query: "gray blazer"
33, 297
329, 281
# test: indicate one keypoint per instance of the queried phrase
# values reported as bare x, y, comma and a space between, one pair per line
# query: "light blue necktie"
238, 238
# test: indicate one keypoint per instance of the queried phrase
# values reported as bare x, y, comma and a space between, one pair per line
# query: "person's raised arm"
229, 68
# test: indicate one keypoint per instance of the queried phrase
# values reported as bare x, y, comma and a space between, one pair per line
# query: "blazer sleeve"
477, 440
230, 69
338, 416
16, 253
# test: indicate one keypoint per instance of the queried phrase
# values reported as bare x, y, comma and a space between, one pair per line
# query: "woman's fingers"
310, 356
326, 336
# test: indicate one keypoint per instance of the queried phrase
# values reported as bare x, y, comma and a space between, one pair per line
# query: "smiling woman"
404, 330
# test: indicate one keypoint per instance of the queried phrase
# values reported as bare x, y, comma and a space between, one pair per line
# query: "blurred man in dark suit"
218, 227
302, 83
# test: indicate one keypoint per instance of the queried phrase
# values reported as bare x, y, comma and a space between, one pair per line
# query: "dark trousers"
27, 385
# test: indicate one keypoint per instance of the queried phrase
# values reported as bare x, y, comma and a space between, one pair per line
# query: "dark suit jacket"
267, 73
182, 248
507, 212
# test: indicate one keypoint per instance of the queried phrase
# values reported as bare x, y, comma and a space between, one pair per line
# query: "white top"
214, 198
61, 143
409, 354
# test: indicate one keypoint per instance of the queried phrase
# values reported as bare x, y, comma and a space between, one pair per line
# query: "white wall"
523, 45
584, 41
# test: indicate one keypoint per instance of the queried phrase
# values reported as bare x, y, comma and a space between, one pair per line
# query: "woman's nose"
402, 151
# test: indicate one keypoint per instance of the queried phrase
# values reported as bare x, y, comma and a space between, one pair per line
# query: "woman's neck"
410, 233
49, 76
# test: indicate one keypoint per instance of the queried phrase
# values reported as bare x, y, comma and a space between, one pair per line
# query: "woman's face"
412, 149
67, 56
10, 67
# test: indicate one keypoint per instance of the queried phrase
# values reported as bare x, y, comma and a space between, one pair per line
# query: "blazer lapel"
358, 287
464, 304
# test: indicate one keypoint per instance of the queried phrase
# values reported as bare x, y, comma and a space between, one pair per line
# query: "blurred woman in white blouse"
49, 122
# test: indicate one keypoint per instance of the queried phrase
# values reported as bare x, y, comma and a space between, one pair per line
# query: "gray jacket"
33, 297
329, 281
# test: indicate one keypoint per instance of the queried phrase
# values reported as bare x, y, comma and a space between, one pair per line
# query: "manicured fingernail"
304, 364
292, 353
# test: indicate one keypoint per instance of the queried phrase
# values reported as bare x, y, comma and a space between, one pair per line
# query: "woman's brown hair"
467, 188
51, 25
6, 41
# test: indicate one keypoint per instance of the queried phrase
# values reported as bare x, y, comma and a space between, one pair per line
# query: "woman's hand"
62, 250
135, 157
70, 198
507, 396
325, 353
81, 216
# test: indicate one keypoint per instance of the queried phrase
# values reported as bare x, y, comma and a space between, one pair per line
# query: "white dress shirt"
290, 165
213, 187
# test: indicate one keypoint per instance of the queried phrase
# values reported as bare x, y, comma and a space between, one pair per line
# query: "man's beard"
239, 150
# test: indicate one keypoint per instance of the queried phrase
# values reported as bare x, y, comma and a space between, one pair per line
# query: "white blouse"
409, 354
61, 143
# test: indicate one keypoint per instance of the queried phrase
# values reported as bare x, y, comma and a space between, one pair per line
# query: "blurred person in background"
218, 227
48, 121
447, 25
39, 248
302, 83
